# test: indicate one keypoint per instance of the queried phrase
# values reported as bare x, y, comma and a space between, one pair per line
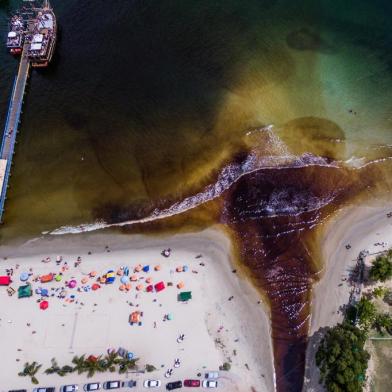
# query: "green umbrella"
170, 316
58, 278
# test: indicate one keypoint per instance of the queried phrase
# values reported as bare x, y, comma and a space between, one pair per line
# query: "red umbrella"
44, 305
95, 286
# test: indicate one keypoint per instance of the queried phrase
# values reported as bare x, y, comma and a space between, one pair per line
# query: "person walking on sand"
155, 324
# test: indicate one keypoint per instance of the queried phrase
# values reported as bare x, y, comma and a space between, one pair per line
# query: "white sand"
92, 329
361, 227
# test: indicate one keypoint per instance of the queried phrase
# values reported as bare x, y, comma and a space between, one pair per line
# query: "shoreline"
246, 324
361, 227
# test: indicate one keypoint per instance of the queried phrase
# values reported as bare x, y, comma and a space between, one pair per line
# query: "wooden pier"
11, 126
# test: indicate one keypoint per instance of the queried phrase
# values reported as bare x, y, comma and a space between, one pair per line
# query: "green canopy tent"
185, 296
25, 291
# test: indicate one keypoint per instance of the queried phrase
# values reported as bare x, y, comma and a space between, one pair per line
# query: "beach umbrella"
128, 286
134, 278
24, 276
58, 278
138, 268
180, 285
44, 305
102, 279
157, 268
130, 355
95, 286
139, 287
122, 287
124, 279
148, 280
146, 268
185, 268
120, 272
126, 271
179, 269
170, 316
84, 280
72, 284
149, 288
38, 291
93, 273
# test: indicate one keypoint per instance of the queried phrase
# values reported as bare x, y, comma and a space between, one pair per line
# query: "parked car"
17, 390
212, 375
112, 384
92, 386
44, 389
173, 385
210, 384
69, 388
152, 383
129, 384
192, 383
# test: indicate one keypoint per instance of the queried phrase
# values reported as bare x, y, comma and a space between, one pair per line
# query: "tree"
54, 368
379, 291
30, 370
383, 323
126, 364
381, 269
80, 363
226, 366
366, 311
342, 359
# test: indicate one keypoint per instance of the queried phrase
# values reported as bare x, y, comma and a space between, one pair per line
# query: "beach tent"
25, 291
185, 296
110, 277
46, 278
134, 317
159, 286
5, 280
149, 288
44, 305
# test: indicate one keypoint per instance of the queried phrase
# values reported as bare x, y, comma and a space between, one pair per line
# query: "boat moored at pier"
43, 37
15, 37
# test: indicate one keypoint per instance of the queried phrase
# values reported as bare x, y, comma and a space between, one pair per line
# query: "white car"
92, 386
69, 388
210, 384
152, 383
212, 375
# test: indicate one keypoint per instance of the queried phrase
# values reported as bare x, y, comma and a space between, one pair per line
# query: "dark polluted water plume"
274, 215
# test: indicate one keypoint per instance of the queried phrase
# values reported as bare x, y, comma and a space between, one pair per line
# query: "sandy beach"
362, 228
217, 329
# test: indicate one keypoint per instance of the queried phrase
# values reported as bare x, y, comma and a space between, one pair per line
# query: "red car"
191, 383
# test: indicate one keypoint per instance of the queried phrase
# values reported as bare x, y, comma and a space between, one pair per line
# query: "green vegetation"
366, 311
379, 292
226, 366
81, 364
150, 368
342, 359
381, 269
383, 323
30, 370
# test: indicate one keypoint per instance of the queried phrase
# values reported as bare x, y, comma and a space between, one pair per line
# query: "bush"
150, 368
342, 359
226, 366
381, 269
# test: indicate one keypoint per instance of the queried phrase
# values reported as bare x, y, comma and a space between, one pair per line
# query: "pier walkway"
11, 125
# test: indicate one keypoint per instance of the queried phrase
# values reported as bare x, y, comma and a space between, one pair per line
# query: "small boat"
15, 37
43, 37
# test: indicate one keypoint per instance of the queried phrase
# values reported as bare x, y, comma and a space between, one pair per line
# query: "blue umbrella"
24, 276
124, 279
130, 355
185, 268
146, 268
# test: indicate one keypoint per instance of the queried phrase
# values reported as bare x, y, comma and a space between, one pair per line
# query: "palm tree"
80, 363
126, 364
54, 368
30, 370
